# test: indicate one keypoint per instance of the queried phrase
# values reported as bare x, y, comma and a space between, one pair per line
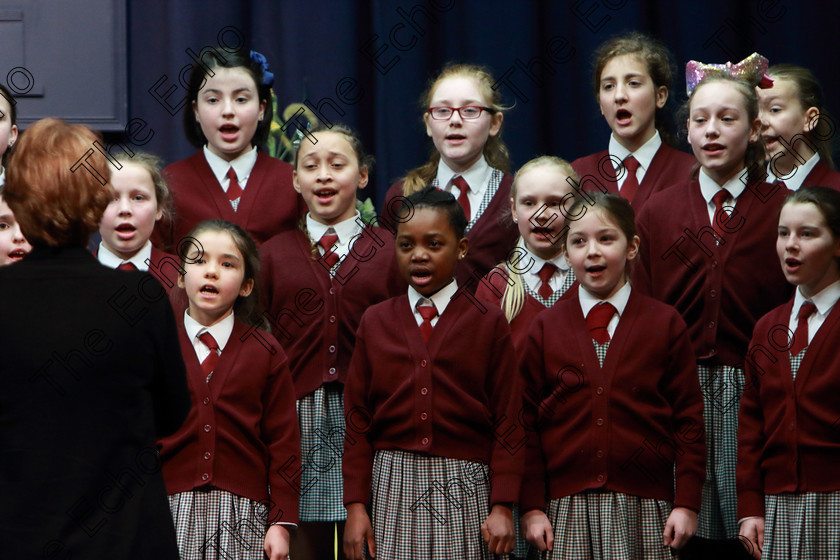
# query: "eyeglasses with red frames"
467, 112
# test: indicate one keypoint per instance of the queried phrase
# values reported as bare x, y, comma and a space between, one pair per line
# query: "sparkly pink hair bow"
752, 69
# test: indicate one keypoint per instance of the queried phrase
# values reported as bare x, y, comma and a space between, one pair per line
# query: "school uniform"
314, 310
92, 375
427, 419
199, 184
608, 437
526, 265
812, 173
239, 442
163, 266
720, 290
788, 449
491, 231
660, 166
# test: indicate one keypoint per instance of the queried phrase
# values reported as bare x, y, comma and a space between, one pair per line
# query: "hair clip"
752, 69
268, 77
299, 134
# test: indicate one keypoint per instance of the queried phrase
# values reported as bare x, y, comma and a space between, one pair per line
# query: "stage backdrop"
367, 62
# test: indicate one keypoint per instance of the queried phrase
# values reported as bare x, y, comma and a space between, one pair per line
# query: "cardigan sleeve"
533, 493
281, 434
682, 387
749, 476
641, 268
358, 452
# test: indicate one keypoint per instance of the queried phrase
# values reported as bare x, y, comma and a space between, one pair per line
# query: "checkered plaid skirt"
608, 525
321, 417
214, 524
429, 508
722, 387
802, 526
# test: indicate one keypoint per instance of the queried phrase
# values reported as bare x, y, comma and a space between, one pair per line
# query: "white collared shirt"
346, 231
221, 331
709, 188
530, 276
618, 300
644, 155
243, 165
2, 175
477, 177
824, 301
794, 181
111, 260
440, 299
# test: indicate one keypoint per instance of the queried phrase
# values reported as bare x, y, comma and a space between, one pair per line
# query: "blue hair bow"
268, 77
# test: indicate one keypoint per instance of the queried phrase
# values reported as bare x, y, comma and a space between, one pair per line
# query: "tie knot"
631, 164
808, 308
126, 266
461, 183
231, 174
428, 312
597, 321
208, 341
720, 197
328, 240
546, 272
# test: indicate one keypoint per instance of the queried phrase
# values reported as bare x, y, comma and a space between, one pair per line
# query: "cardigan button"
424, 391
792, 426
599, 454
207, 427
711, 324
424, 416
713, 293
425, 441
714, 264
206, 455
332, 291
206, 400
205, 476
600, 478
423, 363
599, 391
332, 318
599, 422
332, 349
332, 371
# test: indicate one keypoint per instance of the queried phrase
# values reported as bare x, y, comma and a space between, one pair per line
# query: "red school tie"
463, 199
545, 274
800, 336
719, 199
428, 312
598, 319
127, 266
631, 183
209, 363
234, 191
326, 242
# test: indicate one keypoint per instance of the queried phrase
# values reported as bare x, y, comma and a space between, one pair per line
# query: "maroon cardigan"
242, 432
315, 317
668, 167
787, 436
621, 427
720, 290
163, 266
453, 397
822, 176
268, 206
491, 290
491, 237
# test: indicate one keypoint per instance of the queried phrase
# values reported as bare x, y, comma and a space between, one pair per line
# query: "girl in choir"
337, 266
609, 440
13, 245
463, 115
788, 484
432, 454
795, 127
227, 116
8, 128
632, 79
707, 249
230, 469
141, 199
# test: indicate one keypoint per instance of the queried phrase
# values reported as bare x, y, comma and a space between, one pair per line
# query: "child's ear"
295, 180
811, 113
263, 104
661, 96
181, 280
247, 287
463, 247
755, 131
13, 134
195, 112
688, 127
364, 175
426, 119
633, 248
513, 210
496, 124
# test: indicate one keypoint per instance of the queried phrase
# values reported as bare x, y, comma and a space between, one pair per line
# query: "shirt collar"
618, 299
644, 155
475, 176
440, 298
710, 188
797, 177
345, 230
2, 175
824, 300
242, 165
559, 260
221, 331
111, 260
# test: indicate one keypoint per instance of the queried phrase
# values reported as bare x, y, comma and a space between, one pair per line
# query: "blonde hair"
495, 151
513, 297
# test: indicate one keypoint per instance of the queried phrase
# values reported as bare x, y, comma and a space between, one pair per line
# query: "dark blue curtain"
366, 63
